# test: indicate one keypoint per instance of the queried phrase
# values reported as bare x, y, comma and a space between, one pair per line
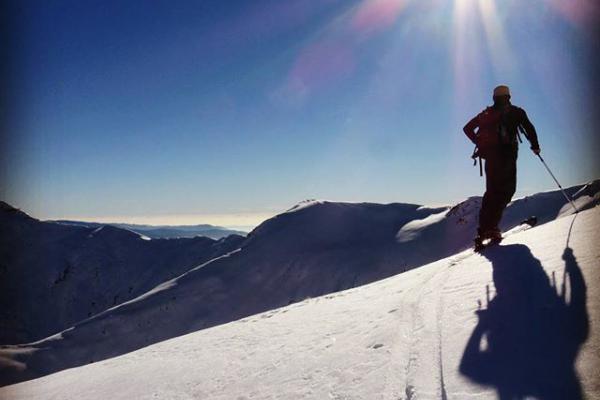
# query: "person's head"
501, 95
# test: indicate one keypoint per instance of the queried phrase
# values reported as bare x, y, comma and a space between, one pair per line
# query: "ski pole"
560, 187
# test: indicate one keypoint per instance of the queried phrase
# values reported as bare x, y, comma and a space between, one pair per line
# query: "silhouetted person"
526, 342
497, 142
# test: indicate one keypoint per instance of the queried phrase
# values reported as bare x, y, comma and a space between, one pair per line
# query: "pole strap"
475, 156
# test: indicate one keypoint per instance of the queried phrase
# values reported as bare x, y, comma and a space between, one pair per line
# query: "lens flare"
466, 51
580, 13
501, 55
377, 14
332, 55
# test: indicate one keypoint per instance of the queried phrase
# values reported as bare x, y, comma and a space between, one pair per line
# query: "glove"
536, 151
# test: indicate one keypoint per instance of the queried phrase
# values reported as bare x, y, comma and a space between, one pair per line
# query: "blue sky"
231, 112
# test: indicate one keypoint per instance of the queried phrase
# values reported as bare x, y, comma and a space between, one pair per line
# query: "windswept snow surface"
518, 321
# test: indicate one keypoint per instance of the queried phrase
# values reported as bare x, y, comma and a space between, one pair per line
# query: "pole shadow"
527, 340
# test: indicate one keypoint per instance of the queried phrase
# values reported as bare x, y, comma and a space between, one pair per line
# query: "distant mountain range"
55, 274
164, 231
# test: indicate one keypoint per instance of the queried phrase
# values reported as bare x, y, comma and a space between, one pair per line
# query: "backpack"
488, 134
498, 130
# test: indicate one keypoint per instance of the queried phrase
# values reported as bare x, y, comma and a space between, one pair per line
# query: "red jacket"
499, 129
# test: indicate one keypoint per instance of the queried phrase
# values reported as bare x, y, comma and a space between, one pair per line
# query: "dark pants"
500, 186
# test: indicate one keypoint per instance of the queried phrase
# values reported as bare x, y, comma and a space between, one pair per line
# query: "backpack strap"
521, 130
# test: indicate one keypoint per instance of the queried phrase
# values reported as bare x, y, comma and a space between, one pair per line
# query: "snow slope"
520, 321
315, 249
54, 275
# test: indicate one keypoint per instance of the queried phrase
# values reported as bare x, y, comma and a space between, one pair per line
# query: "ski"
481, 244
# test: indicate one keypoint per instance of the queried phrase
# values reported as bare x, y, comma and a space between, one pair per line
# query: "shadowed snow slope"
311, 250
54, 275
518, 321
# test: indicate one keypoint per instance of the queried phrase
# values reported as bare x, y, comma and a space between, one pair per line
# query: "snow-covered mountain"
165, 231
519, 321
313, 249
53, 275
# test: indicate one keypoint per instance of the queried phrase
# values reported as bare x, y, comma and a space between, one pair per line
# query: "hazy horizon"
235, 221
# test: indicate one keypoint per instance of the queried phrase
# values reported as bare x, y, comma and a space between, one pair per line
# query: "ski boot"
486, 238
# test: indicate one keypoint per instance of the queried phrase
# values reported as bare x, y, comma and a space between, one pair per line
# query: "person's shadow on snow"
527, 340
